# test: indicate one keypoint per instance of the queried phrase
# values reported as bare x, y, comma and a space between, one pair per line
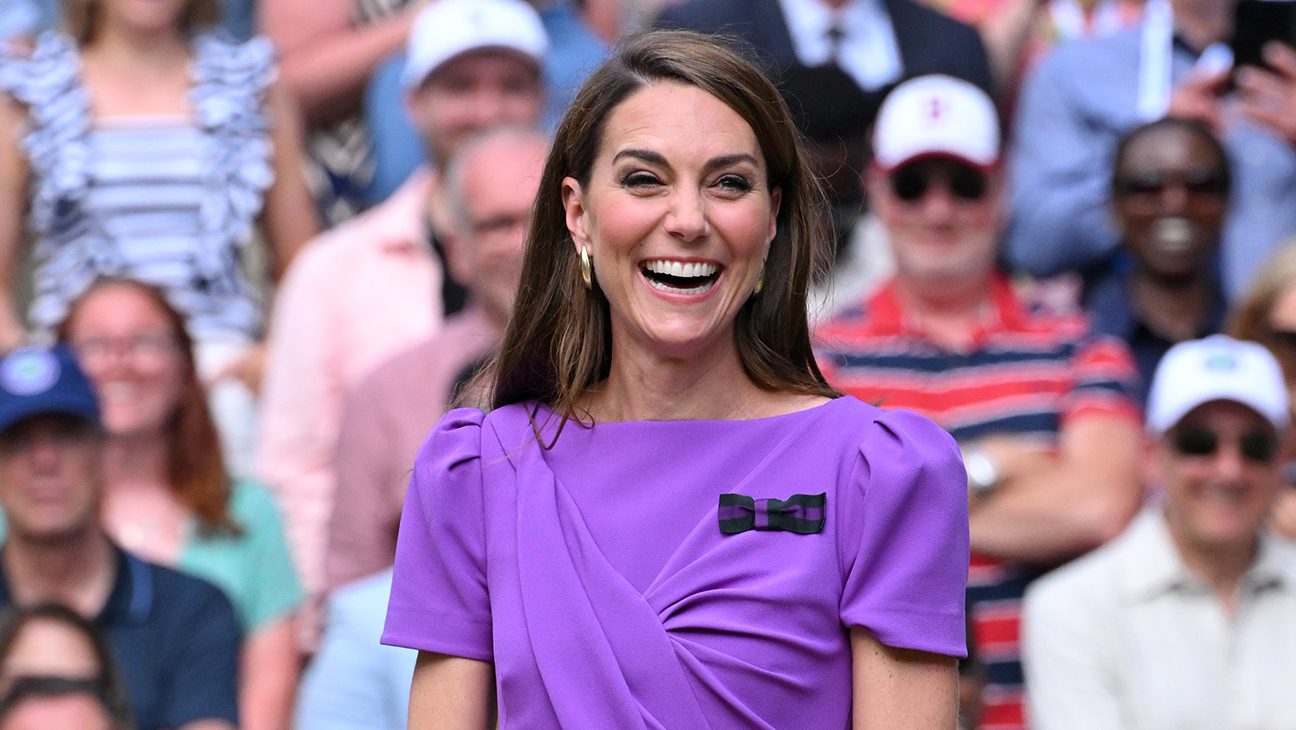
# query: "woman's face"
50, 648
677, 217
125, 346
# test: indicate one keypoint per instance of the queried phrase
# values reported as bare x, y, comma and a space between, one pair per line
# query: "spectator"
1170, 192
1267, 314
52, 640
393, 410
186, 146
167, 495
40, 703
354, 682
1039, 405
330, 49
1185, 620
175, 637
579, 36
1084, 95
834, 60
375, 285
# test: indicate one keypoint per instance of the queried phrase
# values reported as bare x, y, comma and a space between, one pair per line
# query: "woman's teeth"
679, 277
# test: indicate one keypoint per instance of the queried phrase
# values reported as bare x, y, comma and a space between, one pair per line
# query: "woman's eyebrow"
657, 158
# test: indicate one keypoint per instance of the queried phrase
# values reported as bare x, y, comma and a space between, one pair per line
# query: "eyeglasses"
142, 349
1205, 183
1259, 447
912, 182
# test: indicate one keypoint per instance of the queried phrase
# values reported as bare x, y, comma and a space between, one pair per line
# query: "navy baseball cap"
35, 381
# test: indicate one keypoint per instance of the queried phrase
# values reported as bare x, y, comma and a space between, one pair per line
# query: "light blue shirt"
1073, 109
355, 683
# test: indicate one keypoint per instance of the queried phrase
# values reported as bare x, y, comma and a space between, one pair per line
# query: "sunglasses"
912, 182
1258, 447
1284, 338
1204, 183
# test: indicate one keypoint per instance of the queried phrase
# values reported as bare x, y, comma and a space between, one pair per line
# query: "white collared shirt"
868, 50
1128, 637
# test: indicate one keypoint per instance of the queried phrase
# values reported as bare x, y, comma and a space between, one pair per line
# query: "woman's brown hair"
195, 464
558, 341
1249, 319
80, 17
108, 684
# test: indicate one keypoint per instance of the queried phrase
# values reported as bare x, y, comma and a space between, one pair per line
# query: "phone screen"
1257, 23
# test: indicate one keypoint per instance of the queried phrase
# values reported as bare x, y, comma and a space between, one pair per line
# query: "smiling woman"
666, 498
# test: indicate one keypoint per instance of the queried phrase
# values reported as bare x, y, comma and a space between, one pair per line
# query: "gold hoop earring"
587, 270
760, 281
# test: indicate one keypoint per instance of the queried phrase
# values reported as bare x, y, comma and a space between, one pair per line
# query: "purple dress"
597, 578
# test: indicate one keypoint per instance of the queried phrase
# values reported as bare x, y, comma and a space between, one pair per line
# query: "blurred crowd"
252, 250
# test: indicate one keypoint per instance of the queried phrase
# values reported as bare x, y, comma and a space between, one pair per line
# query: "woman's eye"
639, 180
734, 183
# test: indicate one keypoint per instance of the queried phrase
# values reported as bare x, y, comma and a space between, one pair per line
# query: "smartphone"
1256, 23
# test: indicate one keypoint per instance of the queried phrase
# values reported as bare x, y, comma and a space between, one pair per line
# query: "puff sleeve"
904, 537
439, 599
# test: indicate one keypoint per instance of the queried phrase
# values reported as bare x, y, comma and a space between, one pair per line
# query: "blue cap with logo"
36, 381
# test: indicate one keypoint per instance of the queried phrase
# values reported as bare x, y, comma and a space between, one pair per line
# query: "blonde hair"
79, 17
1250, 317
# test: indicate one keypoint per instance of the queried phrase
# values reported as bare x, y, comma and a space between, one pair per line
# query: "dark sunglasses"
1259, 447
1284, 338
911, 182
1211, 182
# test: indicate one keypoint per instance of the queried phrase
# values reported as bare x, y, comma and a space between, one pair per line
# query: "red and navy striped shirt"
1026, 373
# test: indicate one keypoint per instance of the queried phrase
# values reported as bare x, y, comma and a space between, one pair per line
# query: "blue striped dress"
171, 201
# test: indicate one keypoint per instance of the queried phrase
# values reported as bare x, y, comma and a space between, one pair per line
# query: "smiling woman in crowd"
668, 519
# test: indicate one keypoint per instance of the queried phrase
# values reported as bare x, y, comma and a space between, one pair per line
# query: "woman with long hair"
167, 495
668, 518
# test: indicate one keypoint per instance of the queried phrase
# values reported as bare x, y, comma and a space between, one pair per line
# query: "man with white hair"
1041, 407
1188, 619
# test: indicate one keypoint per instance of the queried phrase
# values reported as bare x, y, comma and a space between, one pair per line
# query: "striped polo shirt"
1026, 373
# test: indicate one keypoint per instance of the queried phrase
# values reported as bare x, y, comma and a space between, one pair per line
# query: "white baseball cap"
447, 28
1216, 368
936, 116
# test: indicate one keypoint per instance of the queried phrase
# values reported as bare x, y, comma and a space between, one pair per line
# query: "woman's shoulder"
250, 500
41, 74
237, 66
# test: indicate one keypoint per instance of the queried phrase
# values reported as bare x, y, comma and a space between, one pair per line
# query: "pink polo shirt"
353, 297
387, 418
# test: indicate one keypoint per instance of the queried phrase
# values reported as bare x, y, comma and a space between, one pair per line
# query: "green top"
254, 568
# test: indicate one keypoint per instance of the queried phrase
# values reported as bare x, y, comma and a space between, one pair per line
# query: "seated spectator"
52, 640
1086, 94
167, 495
834, 60
187, 146
579, 37
1184, 622
1266, 313
376, 285
329, 49
391, 412
354, 682
175, 637
1170, 191
1040, 406
41, 703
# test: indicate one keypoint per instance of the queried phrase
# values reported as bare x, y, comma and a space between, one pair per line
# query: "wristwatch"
982, 471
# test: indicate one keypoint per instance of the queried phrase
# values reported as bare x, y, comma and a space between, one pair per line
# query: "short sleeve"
904, 537
203, 646
276, 591
439, 599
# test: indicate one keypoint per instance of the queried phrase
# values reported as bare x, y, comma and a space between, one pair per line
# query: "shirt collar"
400, 223
131, 597
1153, 566
887, 316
